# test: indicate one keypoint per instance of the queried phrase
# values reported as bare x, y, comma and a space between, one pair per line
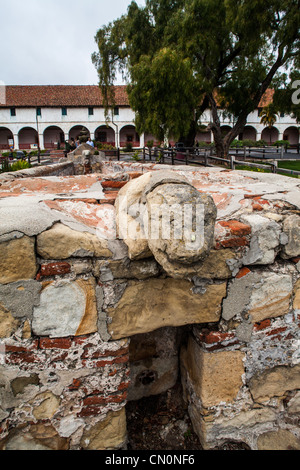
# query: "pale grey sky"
50, 42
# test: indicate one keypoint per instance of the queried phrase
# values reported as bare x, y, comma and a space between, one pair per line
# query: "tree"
287, 97
184, 57
268, 117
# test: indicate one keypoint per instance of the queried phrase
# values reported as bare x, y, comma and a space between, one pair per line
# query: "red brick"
235, 227
106, 353
113, 184
262, 324
75, 384
21, 358
55, 343
215, 337
123, 386
134, 174
276, 331
242, 272
55, 269
257, 207
234, 242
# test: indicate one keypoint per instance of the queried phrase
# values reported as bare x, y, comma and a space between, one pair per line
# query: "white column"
41, 141
142, 140
16, 141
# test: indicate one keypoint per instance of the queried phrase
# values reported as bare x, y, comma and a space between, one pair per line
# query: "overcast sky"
50, 42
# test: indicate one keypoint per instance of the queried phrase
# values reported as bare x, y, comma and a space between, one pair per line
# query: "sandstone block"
125, 269
155, 303
291, 227
274, 382
215, 377
282, 439
61, 242
264, 240
17, 260
8, 324
67, 308
35, 437
108, 434
261, 295
296, 303
45, 405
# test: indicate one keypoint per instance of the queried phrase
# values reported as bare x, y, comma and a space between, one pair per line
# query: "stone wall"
90, 319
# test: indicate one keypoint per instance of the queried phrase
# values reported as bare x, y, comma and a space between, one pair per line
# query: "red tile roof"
60, 95
73, 96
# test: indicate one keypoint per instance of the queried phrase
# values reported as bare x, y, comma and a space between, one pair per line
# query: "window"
38, 111
13, 111
64, 111
116, 111
91, 111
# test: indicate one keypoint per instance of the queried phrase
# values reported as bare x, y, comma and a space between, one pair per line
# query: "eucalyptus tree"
184, 57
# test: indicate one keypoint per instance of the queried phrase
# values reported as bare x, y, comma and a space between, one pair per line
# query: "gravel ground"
161, 422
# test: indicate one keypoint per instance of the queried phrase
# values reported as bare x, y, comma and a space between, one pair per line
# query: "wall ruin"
89, 321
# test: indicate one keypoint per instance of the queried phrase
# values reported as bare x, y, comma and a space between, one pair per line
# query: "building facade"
47, 116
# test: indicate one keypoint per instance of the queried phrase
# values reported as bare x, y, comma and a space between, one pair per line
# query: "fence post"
186, 157
205, 158
118, 153
281, 151
275, 166
172, 156
232, 165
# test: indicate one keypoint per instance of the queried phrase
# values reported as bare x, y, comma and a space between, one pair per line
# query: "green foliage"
136, 156
182, 56
248, 143
19, 165
282, 142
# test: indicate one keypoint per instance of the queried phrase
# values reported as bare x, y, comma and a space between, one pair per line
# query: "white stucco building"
50, 115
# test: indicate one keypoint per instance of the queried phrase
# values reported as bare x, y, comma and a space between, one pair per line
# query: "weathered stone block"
215, 377
66, 308
61, 242
291, 227
264, 240
125, 269
261, 295
108, 434
274, 382
17, 260
282, 439
155, 303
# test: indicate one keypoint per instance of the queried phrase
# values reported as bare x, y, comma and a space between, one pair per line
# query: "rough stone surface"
278, 440
291, 227
175, 239
264, 240
20, 297
125, 269
17, 260
66, 309
107, 434
260, 295
61, 242
152, 304
216, 377
153, 362
274, 382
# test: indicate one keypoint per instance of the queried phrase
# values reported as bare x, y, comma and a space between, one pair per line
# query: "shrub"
282, 142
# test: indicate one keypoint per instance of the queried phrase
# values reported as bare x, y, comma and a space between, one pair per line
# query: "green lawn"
289, 164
